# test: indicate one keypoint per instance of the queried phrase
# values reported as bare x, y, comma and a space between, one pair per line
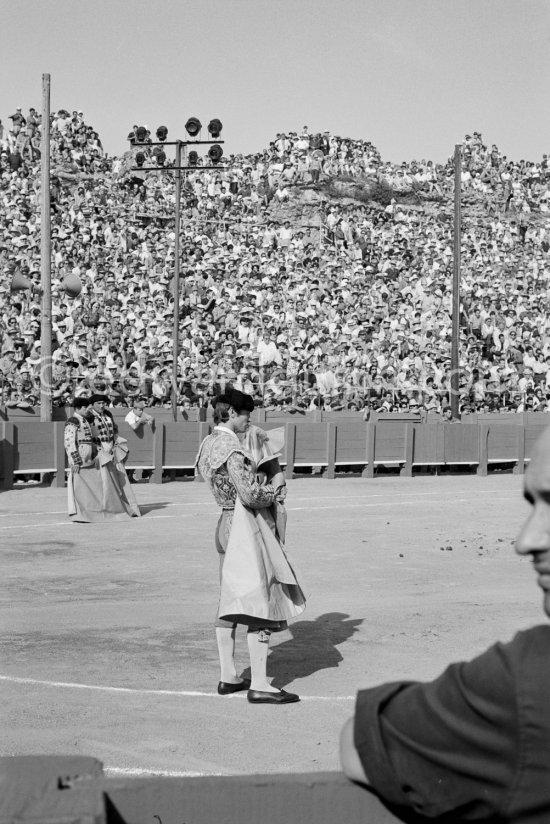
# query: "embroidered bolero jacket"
228, 470
78, 440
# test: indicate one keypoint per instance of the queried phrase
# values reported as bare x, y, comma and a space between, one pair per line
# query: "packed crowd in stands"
313, 275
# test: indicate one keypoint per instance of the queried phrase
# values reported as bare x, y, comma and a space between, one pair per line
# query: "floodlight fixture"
161, 158
162, 133
141, 134
192, 158
193, 126
140, 159
215, 153
215, 128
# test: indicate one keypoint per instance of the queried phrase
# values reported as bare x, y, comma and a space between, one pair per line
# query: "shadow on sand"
313, 647
146, 508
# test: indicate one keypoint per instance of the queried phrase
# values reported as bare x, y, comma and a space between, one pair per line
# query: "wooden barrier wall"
63, 789
29, 447
262, 416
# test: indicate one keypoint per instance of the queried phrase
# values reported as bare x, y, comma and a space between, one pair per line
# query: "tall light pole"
45, 260
176, 289
455, 335
193, 127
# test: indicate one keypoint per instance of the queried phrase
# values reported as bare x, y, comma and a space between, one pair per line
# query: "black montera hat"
80, 402
238, 400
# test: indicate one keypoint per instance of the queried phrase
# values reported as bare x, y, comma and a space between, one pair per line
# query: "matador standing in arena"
259, 588
112, 451
93, 488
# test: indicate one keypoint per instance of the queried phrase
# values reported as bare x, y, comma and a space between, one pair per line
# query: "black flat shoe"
281, 697
227, 689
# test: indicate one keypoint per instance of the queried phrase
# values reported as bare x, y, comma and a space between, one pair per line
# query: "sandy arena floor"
108, 649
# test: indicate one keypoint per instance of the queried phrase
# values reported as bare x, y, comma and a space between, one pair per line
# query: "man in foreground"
473, 745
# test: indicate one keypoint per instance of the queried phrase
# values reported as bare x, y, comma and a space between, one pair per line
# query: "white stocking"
225, 636
258, 647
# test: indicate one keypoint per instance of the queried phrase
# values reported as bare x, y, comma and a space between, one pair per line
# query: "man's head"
534, 538
99, 402
82, 405
233, 409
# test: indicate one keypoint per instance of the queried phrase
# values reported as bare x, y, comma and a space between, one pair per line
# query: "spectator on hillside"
365, 293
